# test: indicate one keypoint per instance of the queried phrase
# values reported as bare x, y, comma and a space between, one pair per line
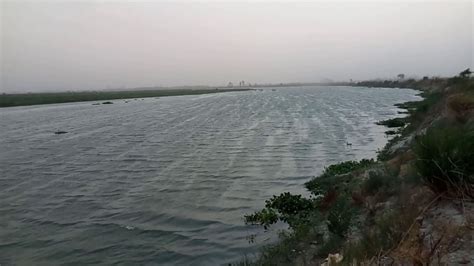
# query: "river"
166, 181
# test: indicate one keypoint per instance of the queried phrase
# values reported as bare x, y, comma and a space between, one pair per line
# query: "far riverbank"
24, 99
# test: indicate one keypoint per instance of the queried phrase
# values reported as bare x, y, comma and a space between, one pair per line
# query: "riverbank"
24, 99
412, 205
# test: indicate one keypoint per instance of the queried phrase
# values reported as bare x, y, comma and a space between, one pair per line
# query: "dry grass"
462, 104
431, 246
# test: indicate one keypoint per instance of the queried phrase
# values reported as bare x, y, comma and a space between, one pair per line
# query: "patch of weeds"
462, 104
340, 217
394, 122
281, 253
417, 112
326, 181
374, 183
412, 177
419, 109
386, 232
331, 245
383, 182
291, 242
445, 159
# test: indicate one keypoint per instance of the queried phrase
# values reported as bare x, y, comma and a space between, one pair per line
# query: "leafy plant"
286, 207
265, 217
324, 182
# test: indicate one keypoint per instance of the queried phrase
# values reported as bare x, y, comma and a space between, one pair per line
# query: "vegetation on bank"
8, 100
367, 210
446, 159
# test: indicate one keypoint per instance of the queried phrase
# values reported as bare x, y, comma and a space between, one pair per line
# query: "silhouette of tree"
466, 73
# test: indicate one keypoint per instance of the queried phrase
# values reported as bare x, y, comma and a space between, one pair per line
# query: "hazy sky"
108, 44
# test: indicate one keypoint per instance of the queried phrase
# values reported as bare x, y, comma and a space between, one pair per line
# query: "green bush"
265, 217
324, 182
284, 252
286, 207
339, 217
445, 159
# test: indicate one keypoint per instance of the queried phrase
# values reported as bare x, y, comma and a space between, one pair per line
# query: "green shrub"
286, 207
301, 237
265, 217
339, 217
345, 167
445, 159
324, 182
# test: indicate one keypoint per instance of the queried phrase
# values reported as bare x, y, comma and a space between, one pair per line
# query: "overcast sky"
98, 45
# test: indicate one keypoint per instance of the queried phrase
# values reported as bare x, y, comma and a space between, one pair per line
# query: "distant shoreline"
26, 99
40, 98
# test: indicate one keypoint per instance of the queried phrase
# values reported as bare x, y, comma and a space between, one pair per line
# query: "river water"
167, 181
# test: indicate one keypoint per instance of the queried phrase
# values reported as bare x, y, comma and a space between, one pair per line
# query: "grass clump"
386, 232
385, 182
445, 159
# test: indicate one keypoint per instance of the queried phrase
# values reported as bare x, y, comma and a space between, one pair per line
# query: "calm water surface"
167, 181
